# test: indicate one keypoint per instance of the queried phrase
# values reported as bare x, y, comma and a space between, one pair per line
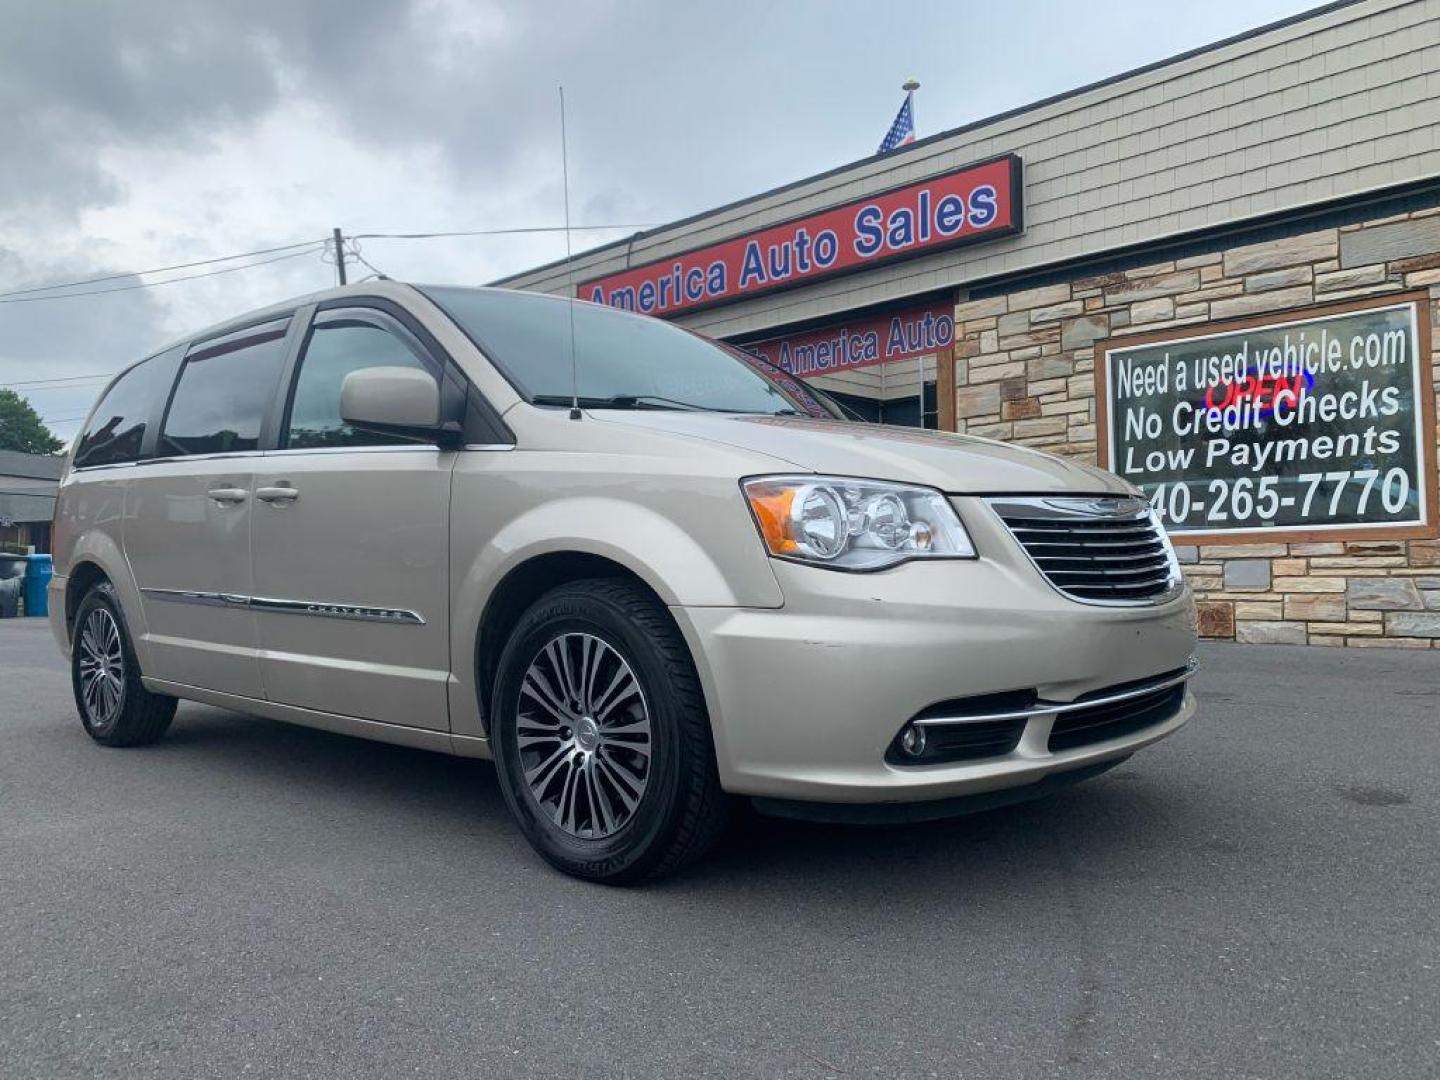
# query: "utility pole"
339, 256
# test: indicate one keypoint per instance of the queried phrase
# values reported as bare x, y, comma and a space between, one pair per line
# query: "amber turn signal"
771, 507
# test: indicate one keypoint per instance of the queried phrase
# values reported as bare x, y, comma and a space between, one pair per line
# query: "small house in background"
27, 497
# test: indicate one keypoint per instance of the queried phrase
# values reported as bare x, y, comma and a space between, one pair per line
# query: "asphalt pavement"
1254, 897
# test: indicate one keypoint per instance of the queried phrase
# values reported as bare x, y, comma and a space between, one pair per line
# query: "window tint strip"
236, 338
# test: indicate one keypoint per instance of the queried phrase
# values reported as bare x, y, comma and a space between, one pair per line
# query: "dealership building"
1218, 275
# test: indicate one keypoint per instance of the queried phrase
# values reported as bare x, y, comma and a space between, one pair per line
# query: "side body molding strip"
319, 608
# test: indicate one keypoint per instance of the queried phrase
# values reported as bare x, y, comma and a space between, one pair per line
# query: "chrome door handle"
277, 494
228, 495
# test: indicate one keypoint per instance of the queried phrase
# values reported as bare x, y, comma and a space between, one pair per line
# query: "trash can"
38, 571
12, 581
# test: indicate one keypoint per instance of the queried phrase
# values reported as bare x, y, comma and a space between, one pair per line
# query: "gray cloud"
656, 88
85, 74
48, 333
46, 340
151, 131
77, 76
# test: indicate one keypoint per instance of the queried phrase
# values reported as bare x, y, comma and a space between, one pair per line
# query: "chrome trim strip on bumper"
318, 608
1059, 708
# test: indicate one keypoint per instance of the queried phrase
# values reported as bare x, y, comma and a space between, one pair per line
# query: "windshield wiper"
623, 401
651, 401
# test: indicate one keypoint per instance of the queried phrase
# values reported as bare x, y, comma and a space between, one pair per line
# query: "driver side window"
334, 350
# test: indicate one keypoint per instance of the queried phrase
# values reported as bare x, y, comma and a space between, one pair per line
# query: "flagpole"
910, 86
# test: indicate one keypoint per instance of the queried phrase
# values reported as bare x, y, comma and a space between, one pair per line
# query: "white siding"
1334, 105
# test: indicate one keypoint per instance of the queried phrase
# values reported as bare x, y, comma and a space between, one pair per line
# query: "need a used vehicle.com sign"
1317, 423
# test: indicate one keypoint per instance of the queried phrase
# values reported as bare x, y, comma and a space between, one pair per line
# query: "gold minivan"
646, 572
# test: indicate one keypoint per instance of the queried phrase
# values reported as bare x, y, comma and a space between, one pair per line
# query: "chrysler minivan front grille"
1096, 549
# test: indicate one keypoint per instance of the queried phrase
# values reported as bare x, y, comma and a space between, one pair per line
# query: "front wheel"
601, 738
114, 705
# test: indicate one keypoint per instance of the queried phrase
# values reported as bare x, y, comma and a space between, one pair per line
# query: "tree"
22, 429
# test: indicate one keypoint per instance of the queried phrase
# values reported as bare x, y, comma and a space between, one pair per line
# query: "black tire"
114, 706
680, 811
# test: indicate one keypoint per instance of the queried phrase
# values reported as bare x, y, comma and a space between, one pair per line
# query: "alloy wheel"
584, 735
102, 668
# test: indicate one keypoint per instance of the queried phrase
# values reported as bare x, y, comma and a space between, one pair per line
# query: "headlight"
854, 524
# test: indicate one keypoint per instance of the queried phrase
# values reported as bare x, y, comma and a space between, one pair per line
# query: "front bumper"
805, 699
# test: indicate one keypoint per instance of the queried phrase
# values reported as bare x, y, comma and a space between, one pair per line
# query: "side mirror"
395, 401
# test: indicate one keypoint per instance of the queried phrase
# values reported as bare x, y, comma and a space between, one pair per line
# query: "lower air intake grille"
1115, 720
1104, 549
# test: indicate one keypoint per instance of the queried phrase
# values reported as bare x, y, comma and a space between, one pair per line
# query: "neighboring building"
27, 497
1218, 275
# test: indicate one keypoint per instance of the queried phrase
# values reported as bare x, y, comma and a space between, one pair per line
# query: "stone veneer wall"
1025, 373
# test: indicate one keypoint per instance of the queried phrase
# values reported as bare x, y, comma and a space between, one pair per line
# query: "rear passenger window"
225, 388
117, 429
335, 350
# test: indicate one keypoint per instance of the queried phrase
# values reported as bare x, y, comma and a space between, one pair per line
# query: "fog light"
912, 740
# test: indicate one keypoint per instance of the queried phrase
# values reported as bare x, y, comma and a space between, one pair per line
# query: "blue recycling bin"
38, 571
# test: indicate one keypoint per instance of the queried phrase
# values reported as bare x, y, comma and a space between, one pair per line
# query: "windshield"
622, 361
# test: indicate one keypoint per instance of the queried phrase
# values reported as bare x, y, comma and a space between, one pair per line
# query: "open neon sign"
1259, 389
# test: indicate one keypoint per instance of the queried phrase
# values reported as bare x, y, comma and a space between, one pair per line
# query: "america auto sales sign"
979, 202
861, 342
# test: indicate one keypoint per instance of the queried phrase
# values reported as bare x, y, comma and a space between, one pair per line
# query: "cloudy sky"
150, 133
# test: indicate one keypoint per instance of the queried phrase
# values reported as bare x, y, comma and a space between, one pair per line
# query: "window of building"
224, 391
334, 350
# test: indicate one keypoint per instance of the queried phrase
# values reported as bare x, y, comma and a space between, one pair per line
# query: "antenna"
569, 265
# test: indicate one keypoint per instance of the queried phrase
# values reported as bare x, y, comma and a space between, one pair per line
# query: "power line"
25, 391
495, 232
355, 253
19, 295
159, 269
312, 247
50, 382
93, 384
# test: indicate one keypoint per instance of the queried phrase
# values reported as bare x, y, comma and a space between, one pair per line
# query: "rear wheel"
601, 737
114, 706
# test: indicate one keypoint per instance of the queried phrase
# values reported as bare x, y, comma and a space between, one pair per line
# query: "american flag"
902, 131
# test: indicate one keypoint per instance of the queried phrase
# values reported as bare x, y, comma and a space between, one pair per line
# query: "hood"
959, 464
